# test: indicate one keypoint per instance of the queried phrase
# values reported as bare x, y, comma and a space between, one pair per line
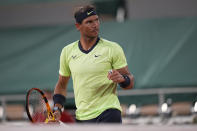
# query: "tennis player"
89, 61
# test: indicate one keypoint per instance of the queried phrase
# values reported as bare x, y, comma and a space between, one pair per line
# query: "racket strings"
37, 106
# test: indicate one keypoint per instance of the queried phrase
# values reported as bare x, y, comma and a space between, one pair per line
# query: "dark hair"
83, 9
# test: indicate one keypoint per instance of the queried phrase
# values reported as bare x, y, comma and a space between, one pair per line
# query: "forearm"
61, 85
60, 90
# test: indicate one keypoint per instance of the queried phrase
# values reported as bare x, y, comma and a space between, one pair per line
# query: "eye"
89, 22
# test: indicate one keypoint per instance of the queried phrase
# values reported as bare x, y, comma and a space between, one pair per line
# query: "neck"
87, 43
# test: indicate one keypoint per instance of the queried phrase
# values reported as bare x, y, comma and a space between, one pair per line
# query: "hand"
115, 76
57, 115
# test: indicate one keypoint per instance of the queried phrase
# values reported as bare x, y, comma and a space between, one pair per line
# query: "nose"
95, 23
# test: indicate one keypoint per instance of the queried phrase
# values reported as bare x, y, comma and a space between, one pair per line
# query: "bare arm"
61, 87
116, 76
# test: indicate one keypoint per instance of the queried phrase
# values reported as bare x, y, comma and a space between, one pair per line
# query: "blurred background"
159, 38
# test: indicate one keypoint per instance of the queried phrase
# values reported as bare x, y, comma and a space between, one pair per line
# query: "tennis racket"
37, 106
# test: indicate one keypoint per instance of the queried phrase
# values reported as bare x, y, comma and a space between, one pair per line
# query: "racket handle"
46, 121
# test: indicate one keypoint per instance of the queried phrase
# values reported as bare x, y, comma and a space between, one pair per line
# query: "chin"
93, 36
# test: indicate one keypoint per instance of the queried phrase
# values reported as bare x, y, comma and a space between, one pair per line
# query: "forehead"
90, 18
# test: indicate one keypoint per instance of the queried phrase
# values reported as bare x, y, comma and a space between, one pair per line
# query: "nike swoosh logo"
88, 13
97, 55
74, 56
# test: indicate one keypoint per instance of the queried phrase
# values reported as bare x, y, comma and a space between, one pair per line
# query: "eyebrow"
92, 20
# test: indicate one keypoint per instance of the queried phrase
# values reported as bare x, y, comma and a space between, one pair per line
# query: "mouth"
95, 30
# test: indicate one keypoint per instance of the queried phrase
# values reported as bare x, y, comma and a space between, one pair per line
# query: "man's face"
89, 26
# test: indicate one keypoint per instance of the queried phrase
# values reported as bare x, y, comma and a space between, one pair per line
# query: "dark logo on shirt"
97, 55
74, 56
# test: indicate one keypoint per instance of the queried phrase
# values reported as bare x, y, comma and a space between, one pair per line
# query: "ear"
78, 26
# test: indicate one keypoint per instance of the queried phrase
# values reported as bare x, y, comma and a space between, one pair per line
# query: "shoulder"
109, 44
70, 46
